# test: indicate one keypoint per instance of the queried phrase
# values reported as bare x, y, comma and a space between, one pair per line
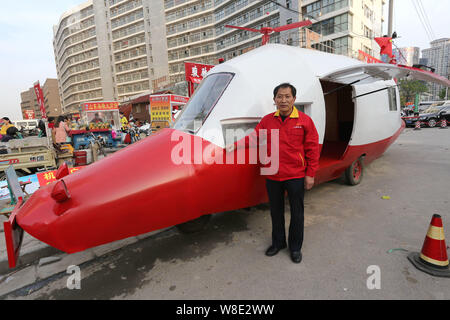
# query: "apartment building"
438, 57
28, 102
346, 26
51, 100
196, 29
110, 50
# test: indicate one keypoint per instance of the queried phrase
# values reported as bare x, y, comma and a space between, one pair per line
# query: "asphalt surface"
348, 231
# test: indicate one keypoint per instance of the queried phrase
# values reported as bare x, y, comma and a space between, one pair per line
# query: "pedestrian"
61, 130
42, 129
123, 121
298, 145
97, 118
6, 123
11, 133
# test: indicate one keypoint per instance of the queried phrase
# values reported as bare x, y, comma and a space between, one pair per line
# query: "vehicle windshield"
202, 102
432, 110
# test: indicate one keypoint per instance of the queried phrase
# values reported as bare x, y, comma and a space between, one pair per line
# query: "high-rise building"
52, 102
110, 50
29, 104
438, 57
196, 30
408, 56
346, 26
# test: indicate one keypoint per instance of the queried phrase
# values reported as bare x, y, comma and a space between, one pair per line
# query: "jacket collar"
294, 113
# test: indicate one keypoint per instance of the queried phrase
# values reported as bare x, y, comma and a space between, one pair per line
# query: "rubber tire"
433, 123
19, 174
349, 172
195, 225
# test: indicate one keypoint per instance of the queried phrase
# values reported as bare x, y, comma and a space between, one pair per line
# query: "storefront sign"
94, 106
29, 114
181, 99
160, 108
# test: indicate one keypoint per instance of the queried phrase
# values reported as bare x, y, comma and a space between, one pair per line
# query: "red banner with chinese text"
45, 178
40, 99
195, 72
94, 106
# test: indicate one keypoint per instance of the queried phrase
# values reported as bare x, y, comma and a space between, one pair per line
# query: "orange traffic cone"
417, 126
443, 124
433, 257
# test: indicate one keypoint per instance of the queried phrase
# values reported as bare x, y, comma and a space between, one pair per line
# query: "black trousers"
296, 190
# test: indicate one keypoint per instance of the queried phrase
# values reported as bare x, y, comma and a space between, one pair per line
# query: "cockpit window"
202, 102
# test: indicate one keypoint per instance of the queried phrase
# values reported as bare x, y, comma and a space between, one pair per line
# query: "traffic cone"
417, 127
443, 124
433, 257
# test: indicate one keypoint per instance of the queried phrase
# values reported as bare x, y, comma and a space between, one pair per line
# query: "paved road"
347, 230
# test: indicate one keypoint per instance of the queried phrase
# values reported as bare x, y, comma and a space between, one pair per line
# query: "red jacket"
298, 144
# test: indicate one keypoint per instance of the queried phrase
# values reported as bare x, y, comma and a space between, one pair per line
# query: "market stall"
164, 109
97, 118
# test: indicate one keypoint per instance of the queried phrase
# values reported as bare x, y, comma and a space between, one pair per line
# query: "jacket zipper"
301, 157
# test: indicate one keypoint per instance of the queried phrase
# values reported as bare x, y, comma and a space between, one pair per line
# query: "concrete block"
149, 234
109, 247
17, 280
67, 260
49, 260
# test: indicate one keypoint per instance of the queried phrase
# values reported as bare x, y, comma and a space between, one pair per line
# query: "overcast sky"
26, 50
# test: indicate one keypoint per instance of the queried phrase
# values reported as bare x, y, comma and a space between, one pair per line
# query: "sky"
26, 33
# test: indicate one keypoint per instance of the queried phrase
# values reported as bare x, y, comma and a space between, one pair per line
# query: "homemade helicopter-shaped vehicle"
354, 105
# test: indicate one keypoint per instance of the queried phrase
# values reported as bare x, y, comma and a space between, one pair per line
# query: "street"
349, 232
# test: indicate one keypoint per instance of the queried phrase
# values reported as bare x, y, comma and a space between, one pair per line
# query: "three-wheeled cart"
99, 119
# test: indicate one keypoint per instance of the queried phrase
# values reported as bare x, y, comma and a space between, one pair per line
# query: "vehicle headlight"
423, 118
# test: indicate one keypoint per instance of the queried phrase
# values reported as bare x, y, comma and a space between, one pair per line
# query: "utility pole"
391, 17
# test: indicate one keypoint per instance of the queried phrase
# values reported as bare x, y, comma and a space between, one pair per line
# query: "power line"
425, 15
422, 21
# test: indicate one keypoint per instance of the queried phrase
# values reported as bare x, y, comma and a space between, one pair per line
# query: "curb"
28, 256
30, 270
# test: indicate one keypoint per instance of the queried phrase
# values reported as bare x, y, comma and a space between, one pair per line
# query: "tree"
409, 88
442, 94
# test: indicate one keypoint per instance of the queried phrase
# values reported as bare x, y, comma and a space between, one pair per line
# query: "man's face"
284, 101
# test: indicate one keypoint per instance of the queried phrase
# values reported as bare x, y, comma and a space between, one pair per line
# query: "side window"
300, 107
392, 99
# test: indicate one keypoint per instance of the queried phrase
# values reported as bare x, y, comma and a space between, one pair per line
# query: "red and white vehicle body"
355, 107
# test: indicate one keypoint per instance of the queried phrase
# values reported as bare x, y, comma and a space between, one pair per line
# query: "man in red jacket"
298, 162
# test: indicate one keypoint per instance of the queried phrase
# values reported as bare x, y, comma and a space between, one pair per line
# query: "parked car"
433, 115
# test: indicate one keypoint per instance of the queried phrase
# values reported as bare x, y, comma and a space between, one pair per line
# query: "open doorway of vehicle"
340, 116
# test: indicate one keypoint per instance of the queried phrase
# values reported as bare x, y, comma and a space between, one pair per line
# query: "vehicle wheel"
432, 123
354, 173
195, 225
19, 174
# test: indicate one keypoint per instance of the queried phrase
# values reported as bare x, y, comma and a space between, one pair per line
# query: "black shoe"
273, 250
296, 256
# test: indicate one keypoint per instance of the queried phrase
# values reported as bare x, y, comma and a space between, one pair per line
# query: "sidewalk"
39, 261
